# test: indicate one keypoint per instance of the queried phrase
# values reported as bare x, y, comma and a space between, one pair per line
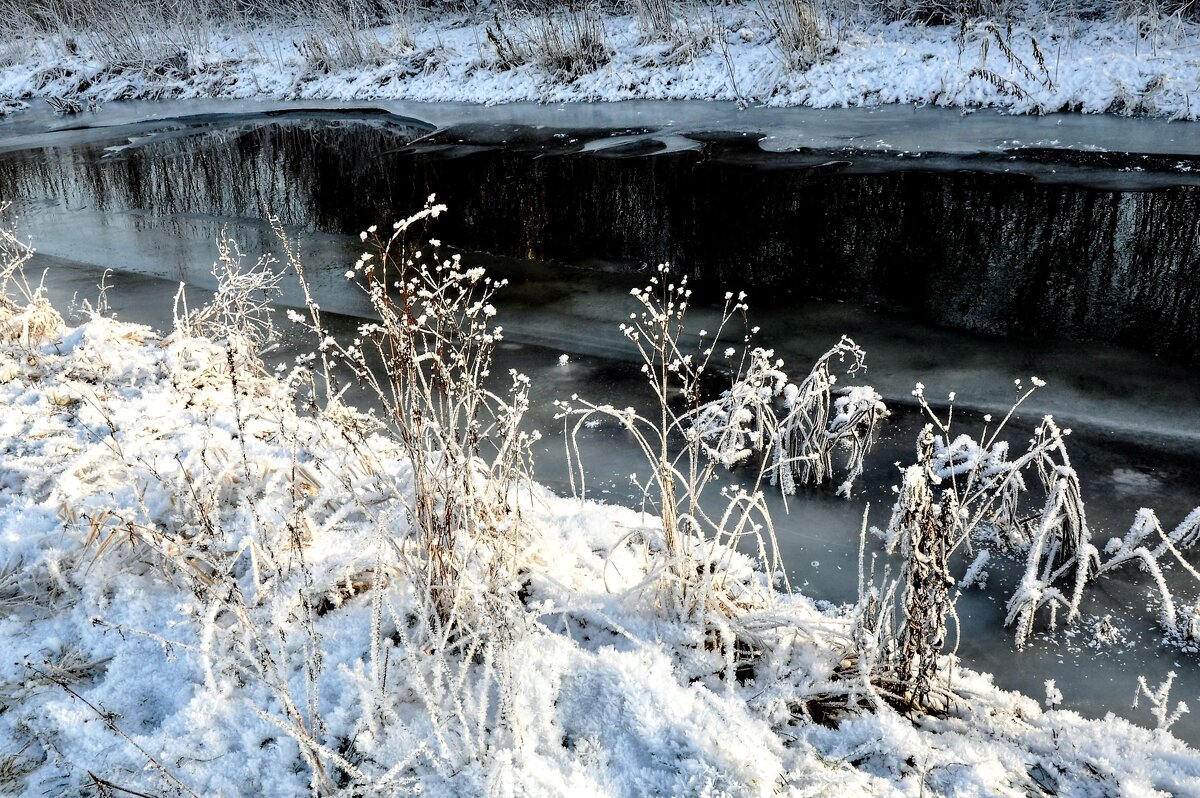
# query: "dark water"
955, 240
932, 257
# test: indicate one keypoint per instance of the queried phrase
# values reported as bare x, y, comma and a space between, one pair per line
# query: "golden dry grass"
28, 325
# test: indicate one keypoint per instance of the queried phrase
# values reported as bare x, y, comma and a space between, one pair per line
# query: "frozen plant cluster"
976, 495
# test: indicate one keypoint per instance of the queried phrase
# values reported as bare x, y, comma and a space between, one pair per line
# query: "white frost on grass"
107, 429
1046, 61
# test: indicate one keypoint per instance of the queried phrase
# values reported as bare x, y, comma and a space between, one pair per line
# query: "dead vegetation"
800, 29
26, 316
565, 43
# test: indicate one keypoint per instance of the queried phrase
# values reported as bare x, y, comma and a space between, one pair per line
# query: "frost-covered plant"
341, 34
427, 359
922, 528
1025, 76
1159, 700
237, 528
231, 527
984, 489
744, 419
797, 427
240, 311
26, 316
155, 39
571, 44
1137, 546
821, 420
871, 643
655, 17
685, 441
962, 491
940, 12
781, 433
1059, 548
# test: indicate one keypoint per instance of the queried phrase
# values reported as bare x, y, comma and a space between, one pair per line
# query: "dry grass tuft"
565, 43
26, 316
800, 28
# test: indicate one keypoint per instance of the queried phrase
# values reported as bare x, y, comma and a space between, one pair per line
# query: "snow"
123, 447
1047, 61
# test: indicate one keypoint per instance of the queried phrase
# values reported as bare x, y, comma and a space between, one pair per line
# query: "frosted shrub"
427, 359
772, 430
684, 442
963, 491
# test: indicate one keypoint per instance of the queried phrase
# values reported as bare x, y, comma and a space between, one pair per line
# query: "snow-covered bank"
134, 462
1047, 61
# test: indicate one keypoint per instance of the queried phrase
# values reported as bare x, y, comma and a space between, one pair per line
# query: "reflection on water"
976, 250
1009, 254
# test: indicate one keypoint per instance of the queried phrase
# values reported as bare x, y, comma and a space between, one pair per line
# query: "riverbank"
1038, 62
208, 588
